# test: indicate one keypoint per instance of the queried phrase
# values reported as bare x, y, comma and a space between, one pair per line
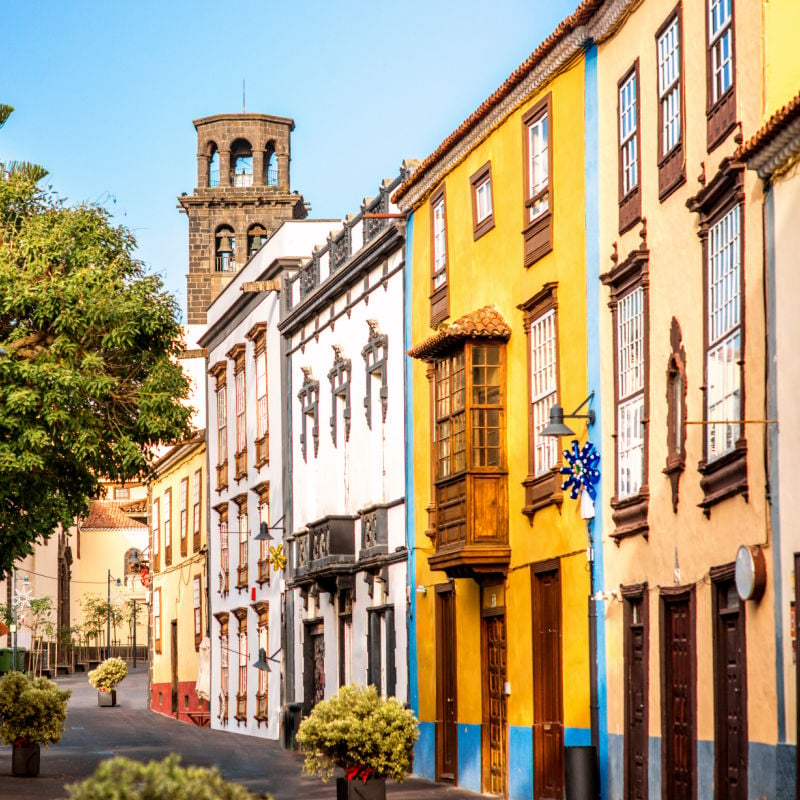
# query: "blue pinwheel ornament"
582, 473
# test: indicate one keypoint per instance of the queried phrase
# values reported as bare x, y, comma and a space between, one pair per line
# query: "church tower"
242, 195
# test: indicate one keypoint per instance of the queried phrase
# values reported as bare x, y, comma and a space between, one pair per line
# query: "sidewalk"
93, 734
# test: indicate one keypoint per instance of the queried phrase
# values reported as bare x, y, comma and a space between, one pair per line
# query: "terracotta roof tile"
774, 126
580, 16
485, 323
108, 515
135, 506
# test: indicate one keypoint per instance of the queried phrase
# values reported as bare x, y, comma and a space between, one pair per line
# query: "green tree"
89, 380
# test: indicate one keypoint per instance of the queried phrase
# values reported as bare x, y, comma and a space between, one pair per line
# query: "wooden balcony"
469, 521
241, 465
262, 451
222, 476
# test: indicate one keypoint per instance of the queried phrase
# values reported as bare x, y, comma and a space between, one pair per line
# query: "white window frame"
628, 123
723, 370
544, 389
538, 166
720, 41
156, 527
262, 419
439, 244
184, 511
197, 595
483, 199
630, 393
669, 85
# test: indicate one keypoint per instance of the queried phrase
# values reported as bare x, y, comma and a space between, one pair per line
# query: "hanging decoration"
277, 557
582, 475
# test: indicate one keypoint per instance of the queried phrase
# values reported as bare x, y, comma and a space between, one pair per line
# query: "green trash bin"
22, 659
5, 660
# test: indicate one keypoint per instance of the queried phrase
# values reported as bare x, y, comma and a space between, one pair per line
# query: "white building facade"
348, 553
246, 468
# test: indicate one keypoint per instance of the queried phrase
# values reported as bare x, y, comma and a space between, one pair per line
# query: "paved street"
93, 734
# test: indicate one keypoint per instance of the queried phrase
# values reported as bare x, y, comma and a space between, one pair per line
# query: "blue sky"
105, 93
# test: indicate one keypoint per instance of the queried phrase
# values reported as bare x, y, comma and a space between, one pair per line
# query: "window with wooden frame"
155, 528
262, 492
482, 202
669, 58
537, 224
629, 304
381, 650
258, 335
122, 493
262, 634
721, 230
440, 302
469, 434
219, 372
224, 557
197, 489
244, 542
166, 515
236, 354
157, 618
197, 601
721, 71
630, 195
241, 692
543, 483
184, 515
224, 650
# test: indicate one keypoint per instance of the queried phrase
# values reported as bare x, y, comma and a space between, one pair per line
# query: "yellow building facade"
178, 605
691, 623
497, 331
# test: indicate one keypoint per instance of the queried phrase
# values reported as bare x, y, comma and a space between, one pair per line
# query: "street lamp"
108, 609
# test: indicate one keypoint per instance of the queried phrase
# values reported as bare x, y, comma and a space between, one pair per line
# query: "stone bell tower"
242, 195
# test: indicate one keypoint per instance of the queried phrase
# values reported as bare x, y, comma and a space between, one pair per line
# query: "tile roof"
109, 515
485, 323
582, 14
763, 150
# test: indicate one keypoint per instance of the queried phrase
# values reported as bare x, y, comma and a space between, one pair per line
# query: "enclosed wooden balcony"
468, 524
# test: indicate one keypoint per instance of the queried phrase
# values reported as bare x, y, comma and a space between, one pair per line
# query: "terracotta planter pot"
25, 760
372, 789
107, 698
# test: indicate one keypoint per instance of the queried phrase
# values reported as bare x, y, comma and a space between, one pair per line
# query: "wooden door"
446, 695
730, 684
174, 664
548, 720
636, 689
495, 736
678, 658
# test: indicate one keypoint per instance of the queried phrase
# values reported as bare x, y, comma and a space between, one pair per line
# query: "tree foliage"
89, 381
122, 779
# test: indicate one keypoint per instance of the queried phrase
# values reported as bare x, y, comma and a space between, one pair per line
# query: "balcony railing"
241, 179
262, 450
225, 263
272, 175
222, 476
213, 177
241, 465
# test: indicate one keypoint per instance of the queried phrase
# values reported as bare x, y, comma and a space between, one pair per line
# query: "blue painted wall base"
425, 752
520, 763
469, 757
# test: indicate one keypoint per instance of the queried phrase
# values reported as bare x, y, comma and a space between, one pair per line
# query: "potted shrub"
105, 678
158, 780
370, 737
32, 713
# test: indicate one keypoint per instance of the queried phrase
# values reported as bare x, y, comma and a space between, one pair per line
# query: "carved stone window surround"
376, 353
339, 376
309, 407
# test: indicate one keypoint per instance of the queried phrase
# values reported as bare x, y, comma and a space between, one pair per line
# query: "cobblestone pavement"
130, 729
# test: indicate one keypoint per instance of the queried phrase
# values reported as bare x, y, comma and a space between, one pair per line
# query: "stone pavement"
93, 734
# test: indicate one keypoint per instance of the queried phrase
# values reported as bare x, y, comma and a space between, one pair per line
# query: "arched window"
256, 237
225, 250
213, 167
271, 165
241, 163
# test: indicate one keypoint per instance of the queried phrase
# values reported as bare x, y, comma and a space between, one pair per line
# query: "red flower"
358, 771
